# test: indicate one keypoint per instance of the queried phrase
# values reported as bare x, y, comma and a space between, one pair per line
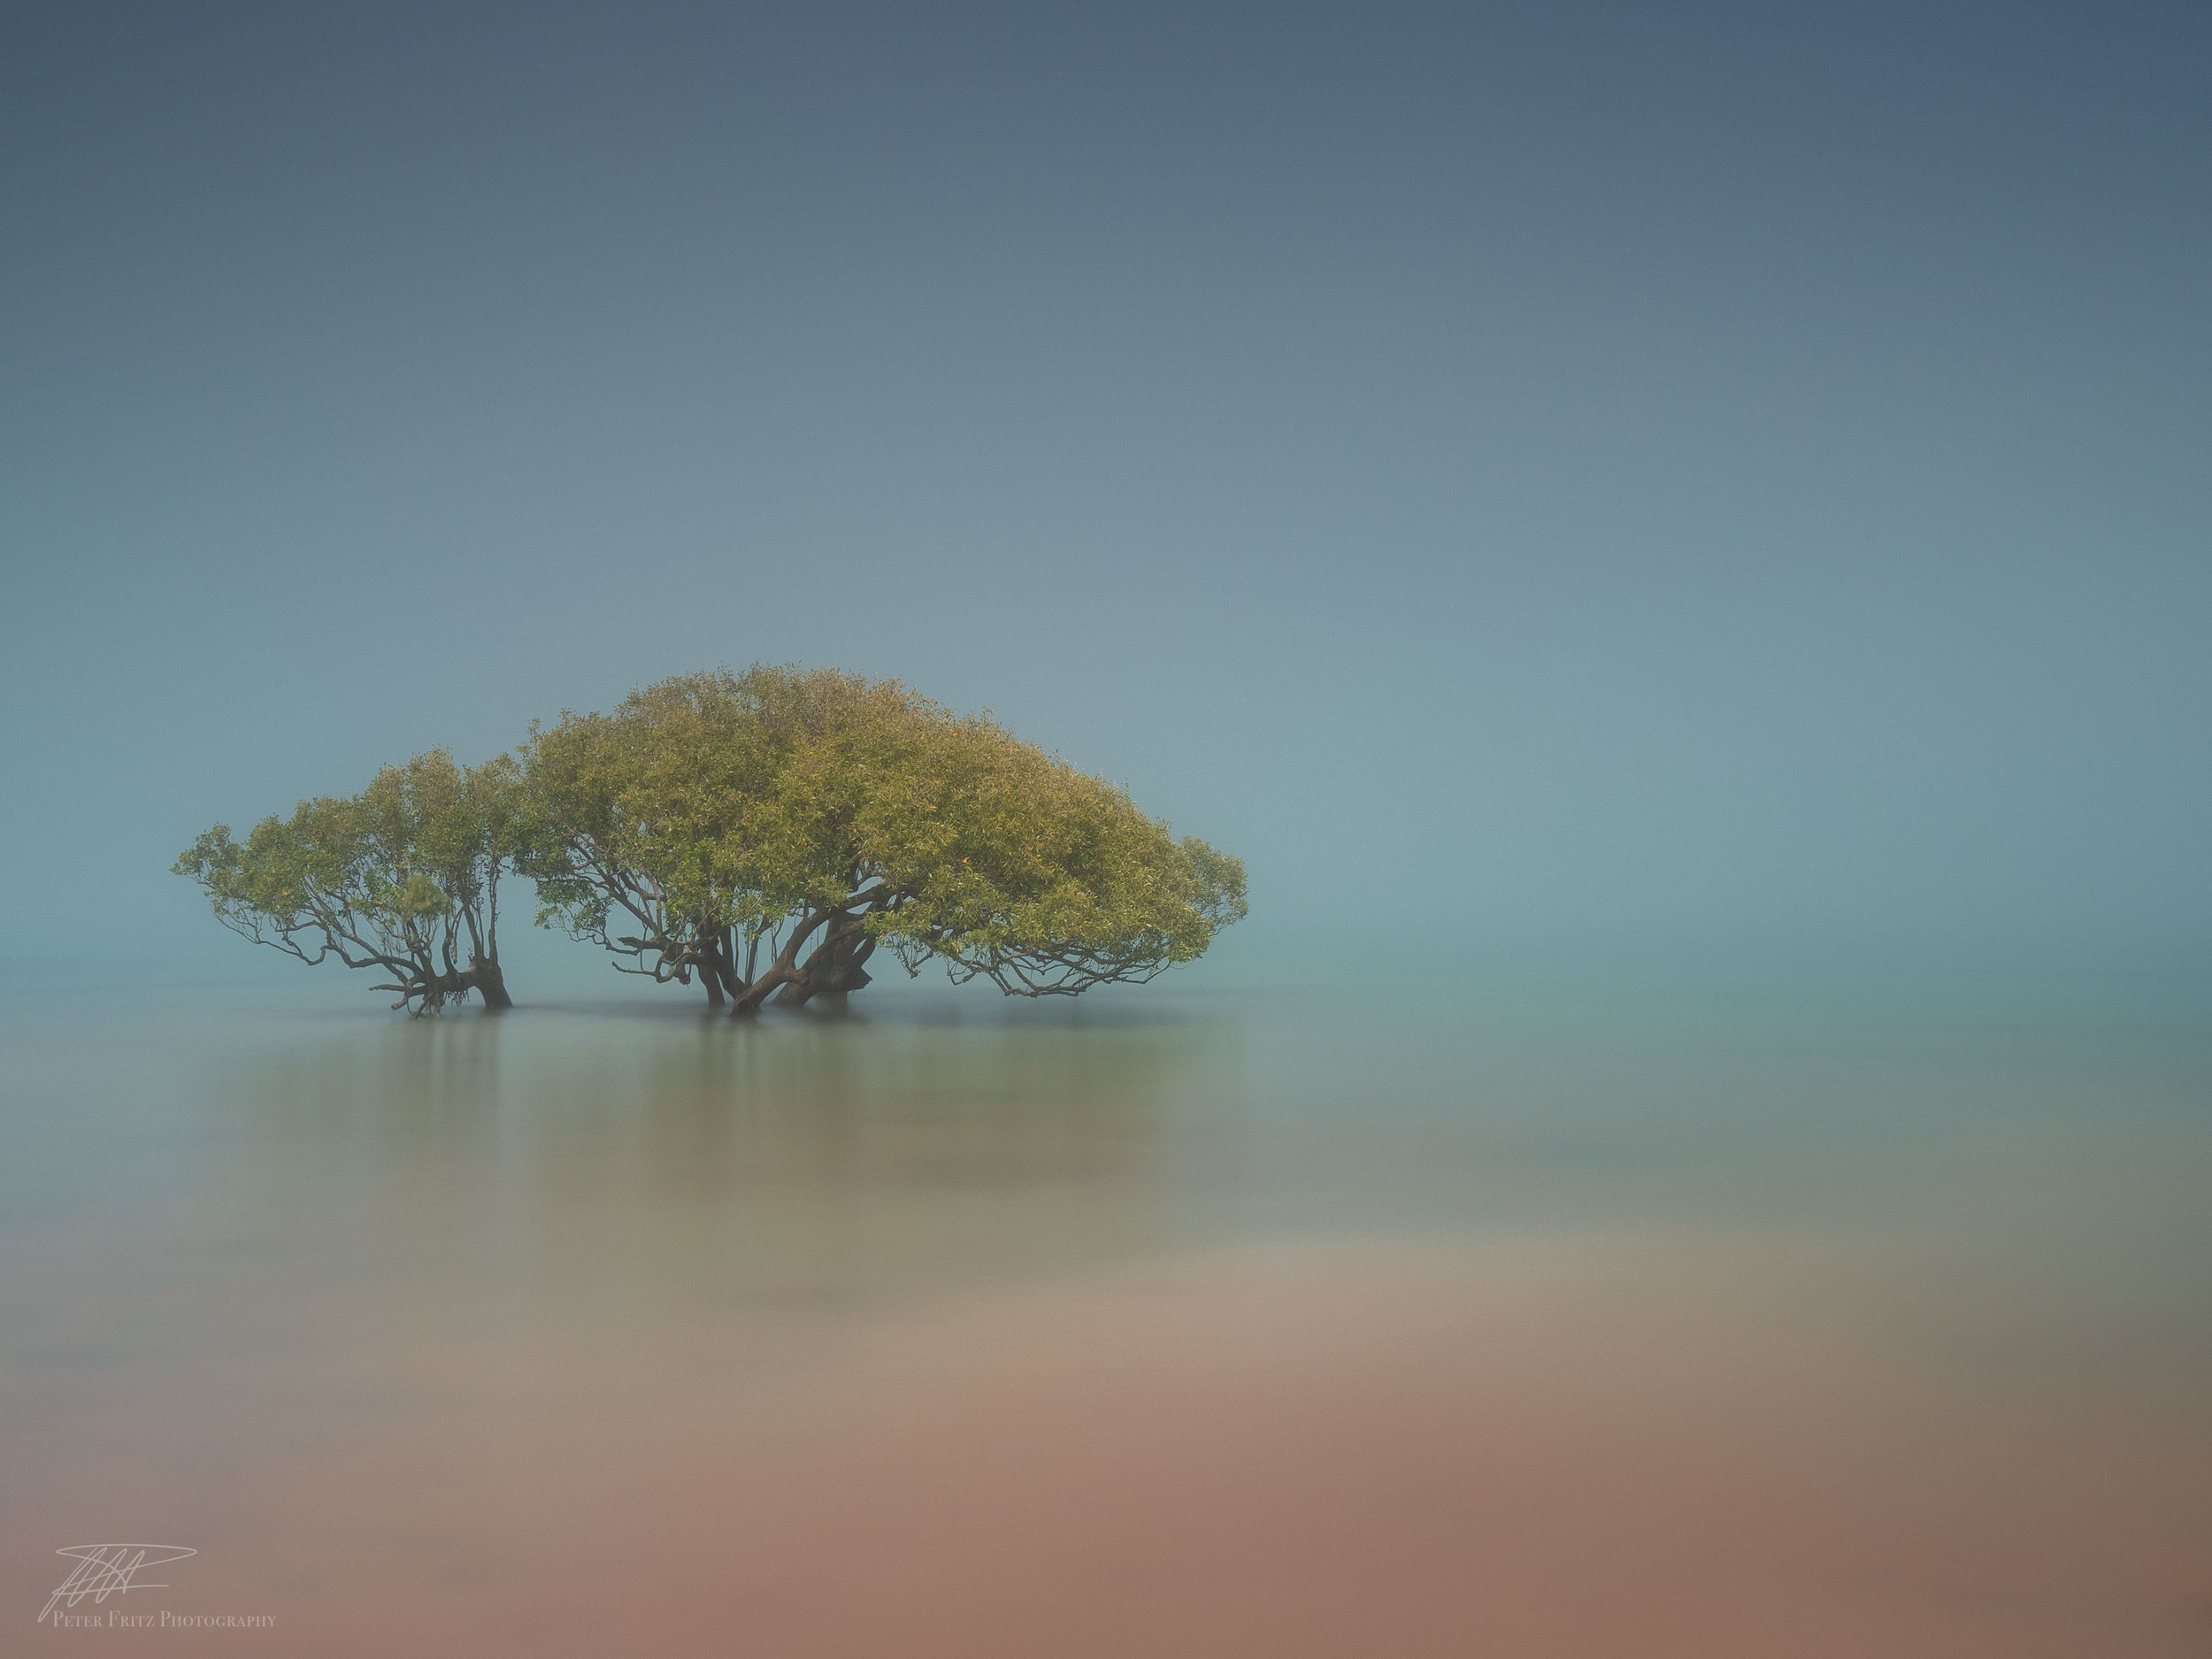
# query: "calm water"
1764, 1306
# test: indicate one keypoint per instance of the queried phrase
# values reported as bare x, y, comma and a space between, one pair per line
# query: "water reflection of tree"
784, 1161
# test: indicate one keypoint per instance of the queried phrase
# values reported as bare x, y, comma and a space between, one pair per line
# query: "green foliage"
404, 875
765, 831
637, 823
714, 815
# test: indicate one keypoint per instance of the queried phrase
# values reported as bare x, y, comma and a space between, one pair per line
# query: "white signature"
103, 1569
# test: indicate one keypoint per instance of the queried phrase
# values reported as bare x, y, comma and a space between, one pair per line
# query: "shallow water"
1554, 1306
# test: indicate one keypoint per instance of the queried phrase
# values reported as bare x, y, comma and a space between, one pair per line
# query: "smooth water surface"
1552, 1307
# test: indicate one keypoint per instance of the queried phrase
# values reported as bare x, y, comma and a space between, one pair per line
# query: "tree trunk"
750, 1000
713, 963
490, 984
836, 966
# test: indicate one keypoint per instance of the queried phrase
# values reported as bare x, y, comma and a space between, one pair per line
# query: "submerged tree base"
422, 996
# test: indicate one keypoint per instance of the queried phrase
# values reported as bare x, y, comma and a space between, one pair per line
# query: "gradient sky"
1663, 467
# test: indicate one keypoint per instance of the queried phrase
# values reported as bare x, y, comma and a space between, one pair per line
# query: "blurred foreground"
1540, 1316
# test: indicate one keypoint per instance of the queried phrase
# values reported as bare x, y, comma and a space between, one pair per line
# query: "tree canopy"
403, 877
766, 833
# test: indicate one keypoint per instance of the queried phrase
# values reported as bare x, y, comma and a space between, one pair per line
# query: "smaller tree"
403, 877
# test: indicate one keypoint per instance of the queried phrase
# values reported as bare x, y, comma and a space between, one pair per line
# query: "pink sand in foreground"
1601, 1448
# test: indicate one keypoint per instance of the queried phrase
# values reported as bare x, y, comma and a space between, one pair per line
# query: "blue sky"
1696, 468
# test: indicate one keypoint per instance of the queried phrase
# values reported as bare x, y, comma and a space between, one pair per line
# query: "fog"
1558, 468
